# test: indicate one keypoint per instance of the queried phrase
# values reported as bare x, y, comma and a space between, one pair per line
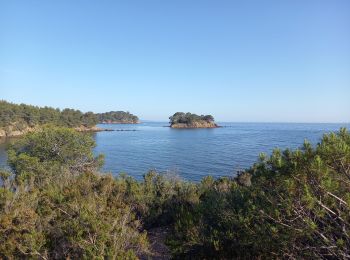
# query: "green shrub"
52, 153
296, 207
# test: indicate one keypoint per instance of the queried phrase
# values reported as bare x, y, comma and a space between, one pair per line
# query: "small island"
117, 117
189, 120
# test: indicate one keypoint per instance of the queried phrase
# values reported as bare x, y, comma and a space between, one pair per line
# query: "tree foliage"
51, 151
33, 115
188, 118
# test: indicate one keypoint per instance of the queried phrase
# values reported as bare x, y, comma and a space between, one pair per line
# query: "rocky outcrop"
15, 130
2, 133
196, 124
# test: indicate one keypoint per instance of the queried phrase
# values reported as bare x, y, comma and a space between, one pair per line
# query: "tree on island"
189, 118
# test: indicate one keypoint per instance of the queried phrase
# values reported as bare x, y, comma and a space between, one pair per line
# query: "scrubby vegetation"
118, 117
55, 204
293, 204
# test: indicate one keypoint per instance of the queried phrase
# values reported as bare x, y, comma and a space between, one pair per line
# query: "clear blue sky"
285, 61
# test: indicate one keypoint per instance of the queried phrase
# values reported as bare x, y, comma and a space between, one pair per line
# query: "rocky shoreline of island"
199, 124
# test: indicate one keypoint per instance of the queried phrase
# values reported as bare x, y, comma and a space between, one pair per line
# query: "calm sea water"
194, 153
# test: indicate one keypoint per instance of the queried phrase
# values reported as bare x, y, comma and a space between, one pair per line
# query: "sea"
191, 154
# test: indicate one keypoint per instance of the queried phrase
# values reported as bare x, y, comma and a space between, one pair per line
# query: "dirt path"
159, 251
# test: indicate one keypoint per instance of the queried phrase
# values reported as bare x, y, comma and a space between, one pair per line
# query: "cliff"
196, 124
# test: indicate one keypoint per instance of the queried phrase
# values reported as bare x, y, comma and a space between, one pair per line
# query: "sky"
241, 61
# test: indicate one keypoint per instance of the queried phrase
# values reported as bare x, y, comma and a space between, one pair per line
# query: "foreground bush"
297, 206
56, 205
